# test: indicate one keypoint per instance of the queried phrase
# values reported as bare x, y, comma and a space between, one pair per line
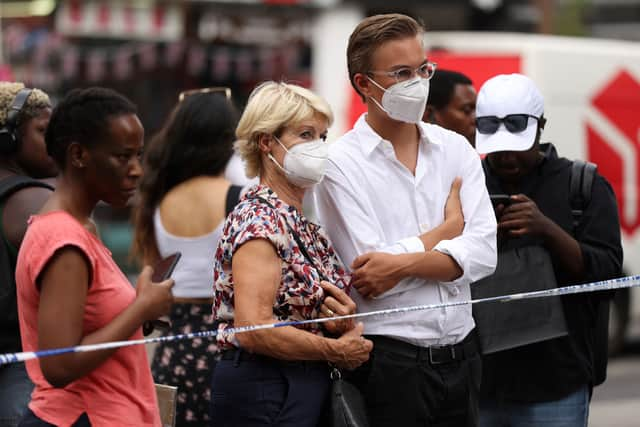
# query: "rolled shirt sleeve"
475, 250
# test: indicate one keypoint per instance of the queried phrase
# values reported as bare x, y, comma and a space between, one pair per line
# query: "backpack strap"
233, 196
580, 185
13, 183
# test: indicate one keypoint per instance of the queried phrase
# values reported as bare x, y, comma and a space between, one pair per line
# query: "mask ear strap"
280, 142
373, 99
273, 159
376, 83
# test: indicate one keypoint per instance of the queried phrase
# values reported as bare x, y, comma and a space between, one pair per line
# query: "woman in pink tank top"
70, 291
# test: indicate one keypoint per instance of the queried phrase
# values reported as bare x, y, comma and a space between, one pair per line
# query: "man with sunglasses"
394, 209
549, 382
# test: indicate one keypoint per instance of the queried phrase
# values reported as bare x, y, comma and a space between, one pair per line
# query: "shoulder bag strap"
296, 237
233, 196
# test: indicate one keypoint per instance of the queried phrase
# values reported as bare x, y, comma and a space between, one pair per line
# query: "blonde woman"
273, 264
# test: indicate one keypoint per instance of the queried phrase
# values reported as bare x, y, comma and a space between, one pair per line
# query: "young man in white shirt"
386, 192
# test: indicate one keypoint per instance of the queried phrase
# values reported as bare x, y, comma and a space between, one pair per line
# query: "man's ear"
78, 155
429, 115
541, 122
363, 84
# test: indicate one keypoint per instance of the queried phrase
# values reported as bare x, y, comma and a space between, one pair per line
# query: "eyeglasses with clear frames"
426, 71
224, 90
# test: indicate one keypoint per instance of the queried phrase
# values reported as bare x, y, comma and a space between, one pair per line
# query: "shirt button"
424, 227
455, 291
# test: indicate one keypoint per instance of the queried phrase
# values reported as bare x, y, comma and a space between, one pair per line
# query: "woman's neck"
287, 192
74, 198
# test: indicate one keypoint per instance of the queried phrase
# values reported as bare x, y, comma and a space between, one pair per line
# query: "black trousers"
405, 385
31, 420
251, 391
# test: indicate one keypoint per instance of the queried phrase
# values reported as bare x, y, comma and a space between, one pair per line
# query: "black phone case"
161, 271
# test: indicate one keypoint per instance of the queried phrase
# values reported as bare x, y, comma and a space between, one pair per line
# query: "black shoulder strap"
580, 185
301, 246
485, 165
11, 184
233, 196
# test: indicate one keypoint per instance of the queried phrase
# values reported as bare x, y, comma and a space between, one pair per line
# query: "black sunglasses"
515, 123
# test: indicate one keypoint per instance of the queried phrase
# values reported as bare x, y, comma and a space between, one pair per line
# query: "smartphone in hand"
500, 199
161, 271
163, 268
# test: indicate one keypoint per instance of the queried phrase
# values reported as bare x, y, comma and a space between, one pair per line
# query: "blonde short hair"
37, 101
273, 106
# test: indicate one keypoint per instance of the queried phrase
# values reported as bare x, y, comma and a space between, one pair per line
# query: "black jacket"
553, 369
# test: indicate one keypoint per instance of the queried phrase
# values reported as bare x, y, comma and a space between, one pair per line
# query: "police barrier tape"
623, 282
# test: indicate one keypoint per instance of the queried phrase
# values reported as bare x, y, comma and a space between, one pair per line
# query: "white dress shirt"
369, 201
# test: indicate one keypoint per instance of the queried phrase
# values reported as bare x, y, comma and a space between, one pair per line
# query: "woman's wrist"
333, 350
138, 311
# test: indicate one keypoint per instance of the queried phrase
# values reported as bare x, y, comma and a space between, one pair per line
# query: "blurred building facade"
151, 50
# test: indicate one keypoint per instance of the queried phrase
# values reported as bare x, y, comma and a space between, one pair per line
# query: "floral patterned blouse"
299, 296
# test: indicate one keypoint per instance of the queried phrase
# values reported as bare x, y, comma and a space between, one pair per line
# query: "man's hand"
453, 207
522, 217
375, 273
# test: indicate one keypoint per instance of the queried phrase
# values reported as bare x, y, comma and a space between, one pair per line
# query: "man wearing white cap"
549, 382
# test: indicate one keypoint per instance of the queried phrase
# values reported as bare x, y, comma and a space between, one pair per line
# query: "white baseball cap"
503, 95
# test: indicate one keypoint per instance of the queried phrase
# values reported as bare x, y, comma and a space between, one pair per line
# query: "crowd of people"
404, 217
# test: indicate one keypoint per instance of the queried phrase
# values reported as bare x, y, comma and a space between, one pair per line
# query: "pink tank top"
120, 392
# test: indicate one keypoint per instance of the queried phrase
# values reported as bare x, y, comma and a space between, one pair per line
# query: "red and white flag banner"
120, 19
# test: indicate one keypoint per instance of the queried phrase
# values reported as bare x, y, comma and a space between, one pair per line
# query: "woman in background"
24, 116
182, 206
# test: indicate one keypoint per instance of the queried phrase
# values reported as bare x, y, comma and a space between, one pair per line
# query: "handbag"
347, 407
347, 404
502, 326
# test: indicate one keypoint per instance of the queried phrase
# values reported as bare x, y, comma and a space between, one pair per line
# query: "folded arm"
256, 270
451, 256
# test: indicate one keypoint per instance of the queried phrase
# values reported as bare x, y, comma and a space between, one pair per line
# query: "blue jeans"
570, 411
15, 393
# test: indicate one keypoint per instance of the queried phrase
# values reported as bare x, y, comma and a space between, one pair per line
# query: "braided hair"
82, 116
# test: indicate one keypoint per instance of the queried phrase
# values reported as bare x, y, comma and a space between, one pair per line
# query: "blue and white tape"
624, 282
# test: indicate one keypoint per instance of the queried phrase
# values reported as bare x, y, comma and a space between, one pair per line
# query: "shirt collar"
262, 191
369, 139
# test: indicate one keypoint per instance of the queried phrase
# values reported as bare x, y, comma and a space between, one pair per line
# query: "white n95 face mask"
305, 163
405, 101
